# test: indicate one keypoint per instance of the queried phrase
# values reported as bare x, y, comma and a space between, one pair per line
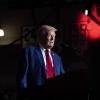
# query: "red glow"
94, 33
93, 28
85, 32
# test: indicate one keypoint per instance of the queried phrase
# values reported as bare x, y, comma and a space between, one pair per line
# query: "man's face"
48, 39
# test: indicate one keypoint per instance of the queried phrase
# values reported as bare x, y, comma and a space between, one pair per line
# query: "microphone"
70, 48
75, 50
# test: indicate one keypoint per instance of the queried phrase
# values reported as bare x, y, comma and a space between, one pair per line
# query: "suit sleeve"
21, 74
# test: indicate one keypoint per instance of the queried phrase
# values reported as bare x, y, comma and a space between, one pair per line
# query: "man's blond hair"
44, 28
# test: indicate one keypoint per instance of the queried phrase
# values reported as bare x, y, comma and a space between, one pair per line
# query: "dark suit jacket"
31, 69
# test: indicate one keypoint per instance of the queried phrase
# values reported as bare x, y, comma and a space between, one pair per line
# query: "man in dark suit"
33, 69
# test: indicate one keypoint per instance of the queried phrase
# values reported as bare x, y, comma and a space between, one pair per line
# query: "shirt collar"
42, 48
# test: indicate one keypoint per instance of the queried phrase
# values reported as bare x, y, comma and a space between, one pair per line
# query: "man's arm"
62, 68
21, 74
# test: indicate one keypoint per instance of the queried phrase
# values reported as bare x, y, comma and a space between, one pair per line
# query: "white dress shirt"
43, 53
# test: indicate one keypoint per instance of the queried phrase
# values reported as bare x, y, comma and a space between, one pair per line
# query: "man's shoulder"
29, 48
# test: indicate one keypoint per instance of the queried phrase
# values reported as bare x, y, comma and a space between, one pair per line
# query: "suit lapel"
41, 60
54, 62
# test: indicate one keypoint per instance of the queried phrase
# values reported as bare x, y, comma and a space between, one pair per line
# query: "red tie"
49, 68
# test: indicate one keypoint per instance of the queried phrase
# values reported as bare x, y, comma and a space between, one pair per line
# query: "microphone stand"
79, 53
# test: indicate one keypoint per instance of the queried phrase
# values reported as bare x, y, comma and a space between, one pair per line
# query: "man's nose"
52, 37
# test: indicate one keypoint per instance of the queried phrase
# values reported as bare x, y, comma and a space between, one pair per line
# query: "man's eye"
49, 36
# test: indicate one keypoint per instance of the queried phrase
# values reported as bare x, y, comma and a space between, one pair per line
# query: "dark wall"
8, 62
